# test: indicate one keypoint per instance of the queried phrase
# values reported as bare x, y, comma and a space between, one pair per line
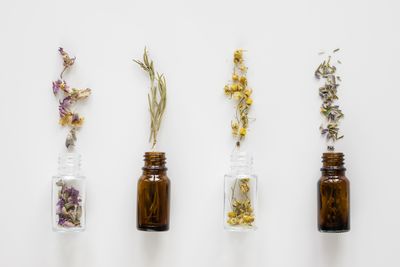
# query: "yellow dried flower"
244, 187
243, 132
238, 90
234, 87
247, 92
243, 80
66, 120
237, 95
232, 221
227, 90
242, 211
248, 219
231, 214
238, 56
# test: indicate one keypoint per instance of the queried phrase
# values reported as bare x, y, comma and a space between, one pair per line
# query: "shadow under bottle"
153, 195
333, 195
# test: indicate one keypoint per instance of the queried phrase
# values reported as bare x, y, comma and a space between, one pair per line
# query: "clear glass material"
69, 195
240, 198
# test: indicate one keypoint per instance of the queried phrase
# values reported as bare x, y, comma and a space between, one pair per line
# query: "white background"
192, 43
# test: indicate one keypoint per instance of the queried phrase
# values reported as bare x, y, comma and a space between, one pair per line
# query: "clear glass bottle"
69, 195
333, 195
153, 194
240, 198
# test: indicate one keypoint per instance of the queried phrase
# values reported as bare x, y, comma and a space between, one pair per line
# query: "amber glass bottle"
153, 197
333, 195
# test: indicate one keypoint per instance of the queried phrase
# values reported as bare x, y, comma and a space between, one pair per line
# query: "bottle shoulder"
154, 177
241, 176
334, 178
69, 177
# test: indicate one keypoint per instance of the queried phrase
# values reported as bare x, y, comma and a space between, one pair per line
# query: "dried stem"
157, 97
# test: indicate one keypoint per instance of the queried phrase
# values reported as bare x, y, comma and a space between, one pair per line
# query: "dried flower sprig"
157, 97
238, 89
69, 208
328, 93
70, 97
242, 212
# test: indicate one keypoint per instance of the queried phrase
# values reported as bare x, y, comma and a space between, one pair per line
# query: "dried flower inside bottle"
240, 194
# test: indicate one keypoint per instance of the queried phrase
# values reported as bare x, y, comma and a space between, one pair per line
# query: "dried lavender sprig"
328, 94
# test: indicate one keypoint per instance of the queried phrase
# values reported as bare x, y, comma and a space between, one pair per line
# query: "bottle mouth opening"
154, 161
154, 154
332, 161
69, 162
69, 157
241, 158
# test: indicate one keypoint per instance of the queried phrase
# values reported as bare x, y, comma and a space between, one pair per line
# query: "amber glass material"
333, 195
153, 196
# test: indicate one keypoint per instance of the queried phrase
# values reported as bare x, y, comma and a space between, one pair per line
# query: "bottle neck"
154, 163
241, 163
69, 163
333, 164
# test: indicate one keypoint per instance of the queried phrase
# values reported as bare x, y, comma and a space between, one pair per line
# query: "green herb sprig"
328, 94
157, 96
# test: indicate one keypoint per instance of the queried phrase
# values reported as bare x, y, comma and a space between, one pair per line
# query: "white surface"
192, 43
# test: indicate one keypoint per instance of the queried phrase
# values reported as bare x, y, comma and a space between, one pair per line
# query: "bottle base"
240, 228
334, 230
151, 228
68, 230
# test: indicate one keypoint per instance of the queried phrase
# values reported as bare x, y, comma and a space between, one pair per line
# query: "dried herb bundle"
69, 208
242, 210
70, 96
157, 97
239, 90
328, 93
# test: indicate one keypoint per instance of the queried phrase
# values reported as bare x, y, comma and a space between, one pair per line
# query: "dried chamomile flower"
69, 97
242, 210
328, 94
238, 90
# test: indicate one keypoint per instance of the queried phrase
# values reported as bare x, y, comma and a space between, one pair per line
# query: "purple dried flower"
75, 118
69, 209
56, 86
60, 85
61, 203
64, 106
61, 220
69, 98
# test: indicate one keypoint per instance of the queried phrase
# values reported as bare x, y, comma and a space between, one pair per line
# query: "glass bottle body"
69, 195
153, 195
333, 195
240, 194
